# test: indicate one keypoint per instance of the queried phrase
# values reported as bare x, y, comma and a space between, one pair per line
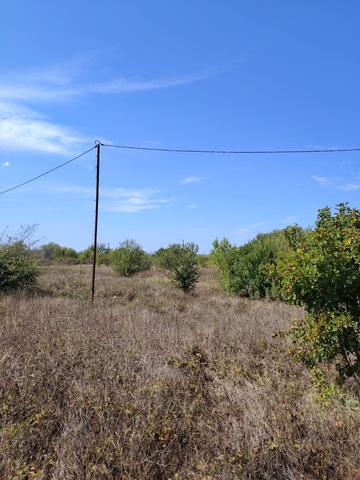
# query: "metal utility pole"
96, 218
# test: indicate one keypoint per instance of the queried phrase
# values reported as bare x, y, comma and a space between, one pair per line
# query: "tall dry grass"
149, 383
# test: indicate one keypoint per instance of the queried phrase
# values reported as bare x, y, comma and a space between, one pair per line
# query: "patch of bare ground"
149, 383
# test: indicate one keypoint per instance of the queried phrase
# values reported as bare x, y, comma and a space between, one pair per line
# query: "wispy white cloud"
30, 93
46, 91
133, 201
349, 186
24, 129
121, 200
188, 180
52, 83
6, 164
325, 181
334, 181
135, 205
123, 85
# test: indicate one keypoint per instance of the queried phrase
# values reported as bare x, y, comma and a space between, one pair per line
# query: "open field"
150, 383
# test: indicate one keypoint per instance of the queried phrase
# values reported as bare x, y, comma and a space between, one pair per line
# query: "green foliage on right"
181, 263
322, 273
249, 270
17, 268
129, 258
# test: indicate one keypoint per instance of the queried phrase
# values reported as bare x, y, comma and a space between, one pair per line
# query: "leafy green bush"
180, 262
17, 268
225, 258
129, 259
323, 274
248, 270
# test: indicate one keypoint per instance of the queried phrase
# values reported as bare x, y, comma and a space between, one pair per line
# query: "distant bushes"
53, 253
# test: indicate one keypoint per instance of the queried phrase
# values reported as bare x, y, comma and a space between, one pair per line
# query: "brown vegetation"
150, 383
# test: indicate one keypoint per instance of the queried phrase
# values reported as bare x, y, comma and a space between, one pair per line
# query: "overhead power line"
233, 152
186, 150
49, 171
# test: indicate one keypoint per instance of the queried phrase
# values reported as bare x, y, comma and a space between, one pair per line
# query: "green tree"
322, 273
129, 258
17, 267
225, 258
180, 262
249, 270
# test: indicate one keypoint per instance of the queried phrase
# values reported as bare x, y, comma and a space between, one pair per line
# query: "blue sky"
200, 74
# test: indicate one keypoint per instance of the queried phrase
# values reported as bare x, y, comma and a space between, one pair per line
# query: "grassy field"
150, 383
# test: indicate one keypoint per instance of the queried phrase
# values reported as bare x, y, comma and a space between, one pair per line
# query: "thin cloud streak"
325, 181
188, 180
120, 200
135, 205
329, 181
22, 128
133, 201
123, 85
56, 84
35, 93
349, 187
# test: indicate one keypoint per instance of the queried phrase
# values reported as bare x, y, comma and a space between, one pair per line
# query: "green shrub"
249, 270
180, 262
17, 267
323, 274
129, 259
225, 258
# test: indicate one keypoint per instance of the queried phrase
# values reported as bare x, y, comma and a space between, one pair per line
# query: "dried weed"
150, 383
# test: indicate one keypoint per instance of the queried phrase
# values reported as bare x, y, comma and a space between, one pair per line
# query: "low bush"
129, 259
181, 264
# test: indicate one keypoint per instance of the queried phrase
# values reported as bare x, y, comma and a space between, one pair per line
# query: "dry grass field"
150, 383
